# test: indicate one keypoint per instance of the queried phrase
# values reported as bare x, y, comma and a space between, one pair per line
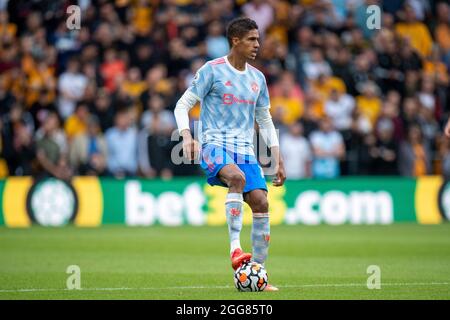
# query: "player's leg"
234, 178
257, 200
222, 170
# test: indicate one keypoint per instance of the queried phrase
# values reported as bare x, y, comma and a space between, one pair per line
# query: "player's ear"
235, 41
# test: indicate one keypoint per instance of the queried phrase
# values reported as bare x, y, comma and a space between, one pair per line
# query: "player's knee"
237, 180
261, 206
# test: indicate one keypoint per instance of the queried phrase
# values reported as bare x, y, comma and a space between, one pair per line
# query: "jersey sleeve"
263, 98
202, 82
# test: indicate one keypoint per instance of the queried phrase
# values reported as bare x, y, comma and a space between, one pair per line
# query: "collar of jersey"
234, 69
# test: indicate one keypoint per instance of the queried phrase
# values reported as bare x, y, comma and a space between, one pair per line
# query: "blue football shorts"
214, 158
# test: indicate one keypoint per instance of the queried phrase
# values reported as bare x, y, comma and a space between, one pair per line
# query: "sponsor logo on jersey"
229, 98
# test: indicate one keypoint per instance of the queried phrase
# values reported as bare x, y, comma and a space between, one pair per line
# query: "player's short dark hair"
239, 28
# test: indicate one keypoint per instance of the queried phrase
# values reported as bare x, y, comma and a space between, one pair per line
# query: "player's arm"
270, 137
200, 87
181, 112
269, 134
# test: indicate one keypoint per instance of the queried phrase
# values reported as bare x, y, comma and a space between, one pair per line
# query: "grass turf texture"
321, 262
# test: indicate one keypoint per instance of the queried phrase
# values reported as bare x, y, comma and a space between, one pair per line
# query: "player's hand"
280, 176
447, 129
190, 147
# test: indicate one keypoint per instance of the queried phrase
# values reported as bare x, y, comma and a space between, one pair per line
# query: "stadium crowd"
348, 99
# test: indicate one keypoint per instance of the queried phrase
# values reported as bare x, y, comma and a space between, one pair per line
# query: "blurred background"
99, 100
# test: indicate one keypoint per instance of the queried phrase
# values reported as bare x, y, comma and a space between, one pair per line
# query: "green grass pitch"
320, 262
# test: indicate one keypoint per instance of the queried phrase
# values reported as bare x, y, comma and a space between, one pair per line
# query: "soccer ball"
250, 277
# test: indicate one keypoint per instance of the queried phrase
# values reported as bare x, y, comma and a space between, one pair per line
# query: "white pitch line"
319, 285
392, 284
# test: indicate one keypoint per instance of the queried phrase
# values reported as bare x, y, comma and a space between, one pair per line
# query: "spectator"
360, 72
309, 120
287, 98
145, 57
133, 86
436, 71
216, 43
339, 107
157, 82
412, 83
71, 85
369, 102
426, 95
121, 143
18, 113
393, 97
414, 156
40, 77
320, 91
112, 70
155, 106
317, 66
389, 68
390, 113
411, 61
442, 30
414, 31
275, 54
141, 16
42, 107
340, 66
155, 144
18, 145
104, 110
261, 12
88, 152
76, 124
429, 127
179, 56
410, 114
384, 153
296, 153
286, 85
328, 149
51, 149
300, 52
7, 29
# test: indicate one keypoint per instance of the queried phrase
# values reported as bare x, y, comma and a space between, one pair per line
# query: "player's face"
249, 44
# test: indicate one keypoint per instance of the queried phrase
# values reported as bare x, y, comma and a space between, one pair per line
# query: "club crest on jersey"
255, 87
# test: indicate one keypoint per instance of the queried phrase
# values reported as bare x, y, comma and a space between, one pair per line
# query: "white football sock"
235, 244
